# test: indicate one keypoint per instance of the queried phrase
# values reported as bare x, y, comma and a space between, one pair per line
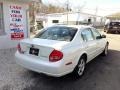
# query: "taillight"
55, 56
19, 48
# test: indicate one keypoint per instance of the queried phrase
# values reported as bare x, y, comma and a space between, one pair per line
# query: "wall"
73, 18
50, 18
5, 40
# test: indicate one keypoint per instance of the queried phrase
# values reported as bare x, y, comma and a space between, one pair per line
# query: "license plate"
34, 51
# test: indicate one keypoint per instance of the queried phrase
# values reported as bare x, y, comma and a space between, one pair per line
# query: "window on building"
55, 21
1, 20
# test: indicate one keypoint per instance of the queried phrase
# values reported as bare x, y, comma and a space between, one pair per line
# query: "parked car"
112, 27
61, 49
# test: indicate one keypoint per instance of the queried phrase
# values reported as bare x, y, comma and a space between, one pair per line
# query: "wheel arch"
81, 55
85, 56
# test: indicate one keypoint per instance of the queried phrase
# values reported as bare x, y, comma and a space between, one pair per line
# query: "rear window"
58, 33
115, 23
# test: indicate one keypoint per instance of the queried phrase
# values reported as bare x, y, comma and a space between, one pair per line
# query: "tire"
80, 68
105, 52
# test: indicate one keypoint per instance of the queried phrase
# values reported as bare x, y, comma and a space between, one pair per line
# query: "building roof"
64, 13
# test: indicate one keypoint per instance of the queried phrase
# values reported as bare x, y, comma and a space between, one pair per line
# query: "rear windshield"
58, 33
115, 23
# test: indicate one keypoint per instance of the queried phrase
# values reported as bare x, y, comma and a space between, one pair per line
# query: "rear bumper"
53, 69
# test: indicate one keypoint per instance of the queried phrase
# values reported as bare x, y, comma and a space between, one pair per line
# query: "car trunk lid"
41, 47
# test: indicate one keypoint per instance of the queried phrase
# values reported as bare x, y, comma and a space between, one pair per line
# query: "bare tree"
39, 7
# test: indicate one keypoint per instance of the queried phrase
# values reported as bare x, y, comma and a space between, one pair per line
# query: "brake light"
19, 48
55, 56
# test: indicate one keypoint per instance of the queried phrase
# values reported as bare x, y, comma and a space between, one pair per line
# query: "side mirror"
100, 37
103, 36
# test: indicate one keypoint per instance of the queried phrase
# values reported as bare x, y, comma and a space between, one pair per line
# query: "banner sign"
16, 22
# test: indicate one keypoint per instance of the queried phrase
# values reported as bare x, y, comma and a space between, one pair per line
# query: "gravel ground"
103, 73
12, 76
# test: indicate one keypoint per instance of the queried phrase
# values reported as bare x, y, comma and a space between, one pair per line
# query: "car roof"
73, 26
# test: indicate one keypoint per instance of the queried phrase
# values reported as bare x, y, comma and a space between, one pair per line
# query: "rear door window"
115, 24
96, 33
87, 35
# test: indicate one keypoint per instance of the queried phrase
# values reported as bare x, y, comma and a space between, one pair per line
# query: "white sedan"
61, 49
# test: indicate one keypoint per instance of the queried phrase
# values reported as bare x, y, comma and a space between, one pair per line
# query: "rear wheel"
80, 68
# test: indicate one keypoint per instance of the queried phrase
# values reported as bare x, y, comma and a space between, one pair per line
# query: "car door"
100, 41
89, 43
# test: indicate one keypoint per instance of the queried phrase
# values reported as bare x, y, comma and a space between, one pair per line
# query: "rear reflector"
55, 56
19, 48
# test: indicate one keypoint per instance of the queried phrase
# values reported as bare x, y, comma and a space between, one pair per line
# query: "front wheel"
80, 68
105, 52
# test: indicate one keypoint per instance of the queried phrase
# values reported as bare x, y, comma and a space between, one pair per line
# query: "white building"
70, 18
14, 24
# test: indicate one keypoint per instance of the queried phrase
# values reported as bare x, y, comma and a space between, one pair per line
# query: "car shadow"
96, 69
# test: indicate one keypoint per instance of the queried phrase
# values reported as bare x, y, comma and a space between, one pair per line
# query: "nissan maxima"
61, 49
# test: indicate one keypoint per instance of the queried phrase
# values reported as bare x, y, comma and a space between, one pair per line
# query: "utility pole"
79, 11
96, 11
